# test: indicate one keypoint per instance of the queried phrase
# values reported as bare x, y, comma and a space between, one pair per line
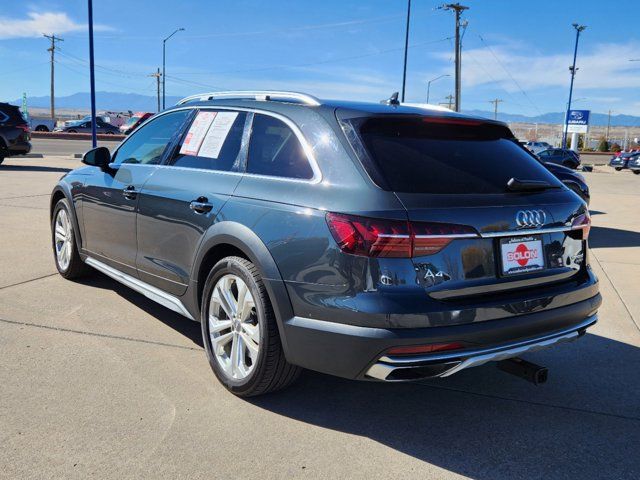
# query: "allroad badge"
531, 218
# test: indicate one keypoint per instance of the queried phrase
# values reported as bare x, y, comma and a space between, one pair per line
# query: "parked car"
41, 124
15, 135
536, 147
86, 118
634, 164
133, 122
85, 127
364, 240
621, 162
560, 156
572, 179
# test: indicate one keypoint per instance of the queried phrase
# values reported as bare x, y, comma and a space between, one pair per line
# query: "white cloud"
604, 66
38, 23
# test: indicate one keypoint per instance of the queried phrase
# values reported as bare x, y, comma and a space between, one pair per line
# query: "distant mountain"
132, 101
113, 101
557, 118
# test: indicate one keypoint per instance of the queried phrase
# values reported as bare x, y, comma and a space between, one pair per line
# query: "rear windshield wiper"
520, 185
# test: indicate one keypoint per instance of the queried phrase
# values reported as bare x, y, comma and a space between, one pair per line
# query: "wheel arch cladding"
58, 194
234, 239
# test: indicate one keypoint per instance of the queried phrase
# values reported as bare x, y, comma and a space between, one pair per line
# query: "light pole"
406, 50
92, 78
579, 28
164, 56
433, 80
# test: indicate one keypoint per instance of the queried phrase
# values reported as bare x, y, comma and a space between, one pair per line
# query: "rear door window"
274, 149
213, 141
441, 155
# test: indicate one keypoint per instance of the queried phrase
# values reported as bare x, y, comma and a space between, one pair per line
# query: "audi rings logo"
530, 218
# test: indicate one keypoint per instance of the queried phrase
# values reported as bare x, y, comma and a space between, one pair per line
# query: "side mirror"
98, 157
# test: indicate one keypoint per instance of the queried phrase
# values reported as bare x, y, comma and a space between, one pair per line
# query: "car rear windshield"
441, 155
11, 114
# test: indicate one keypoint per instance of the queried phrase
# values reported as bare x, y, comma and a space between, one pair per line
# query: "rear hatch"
485, 216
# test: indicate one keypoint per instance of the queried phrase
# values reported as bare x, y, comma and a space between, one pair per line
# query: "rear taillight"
418, 349
392, 238
582, 223
24, 128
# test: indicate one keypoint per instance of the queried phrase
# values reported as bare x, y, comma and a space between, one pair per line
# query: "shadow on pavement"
485, 424
482, 423
33, 168
180, 324
605, 237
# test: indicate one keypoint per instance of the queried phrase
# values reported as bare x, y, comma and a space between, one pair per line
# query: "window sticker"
217, 134
196, 133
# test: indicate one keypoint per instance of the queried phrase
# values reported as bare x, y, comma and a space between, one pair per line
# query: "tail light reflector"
582, 222
418, 349
392, 238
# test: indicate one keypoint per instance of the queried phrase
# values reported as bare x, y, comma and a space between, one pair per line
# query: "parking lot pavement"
98, 381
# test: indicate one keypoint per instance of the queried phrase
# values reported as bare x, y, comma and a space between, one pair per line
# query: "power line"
509, 74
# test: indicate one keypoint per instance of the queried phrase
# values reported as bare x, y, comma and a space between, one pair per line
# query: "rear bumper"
359, 352
19, 148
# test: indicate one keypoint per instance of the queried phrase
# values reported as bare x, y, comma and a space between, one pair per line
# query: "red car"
130, 125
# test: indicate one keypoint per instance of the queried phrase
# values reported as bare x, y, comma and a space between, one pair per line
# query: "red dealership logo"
522, 255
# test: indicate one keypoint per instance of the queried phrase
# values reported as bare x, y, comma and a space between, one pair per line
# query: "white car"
536, 147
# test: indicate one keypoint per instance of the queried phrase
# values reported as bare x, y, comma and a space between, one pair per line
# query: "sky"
518, 51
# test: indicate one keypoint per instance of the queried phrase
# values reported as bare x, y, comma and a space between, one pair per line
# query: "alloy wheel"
234, 331
63, 239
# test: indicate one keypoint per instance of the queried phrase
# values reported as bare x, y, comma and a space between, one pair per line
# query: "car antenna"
392, 100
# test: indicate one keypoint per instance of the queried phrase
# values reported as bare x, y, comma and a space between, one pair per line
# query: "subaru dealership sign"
577, 121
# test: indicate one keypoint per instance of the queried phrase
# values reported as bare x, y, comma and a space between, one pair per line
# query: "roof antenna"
392, 100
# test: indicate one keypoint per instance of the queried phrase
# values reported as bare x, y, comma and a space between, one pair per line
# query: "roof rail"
264, 95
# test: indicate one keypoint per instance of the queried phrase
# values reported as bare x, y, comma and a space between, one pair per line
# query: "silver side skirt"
149, 291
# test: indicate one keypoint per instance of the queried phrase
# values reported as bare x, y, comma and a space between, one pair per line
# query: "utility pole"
579, 28
406, 49
157, 75
458, 9
52, 49
608, 124
450, 98
495, 107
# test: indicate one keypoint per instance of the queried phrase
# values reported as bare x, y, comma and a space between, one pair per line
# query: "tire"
108, 133
41, 128
1, 159
72, 131
268, 370
618, 169
637, 172
69, 264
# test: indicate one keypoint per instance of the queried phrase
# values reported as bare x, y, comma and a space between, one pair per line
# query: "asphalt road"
61, 147
97, 381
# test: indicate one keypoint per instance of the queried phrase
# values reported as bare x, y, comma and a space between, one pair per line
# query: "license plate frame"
523, 260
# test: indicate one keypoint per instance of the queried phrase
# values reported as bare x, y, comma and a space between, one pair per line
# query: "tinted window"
437, 155
275, 150
146, 145
220, 147
544, 153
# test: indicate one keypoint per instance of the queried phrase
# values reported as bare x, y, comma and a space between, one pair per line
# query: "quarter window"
212, 142
146, 145
275, 150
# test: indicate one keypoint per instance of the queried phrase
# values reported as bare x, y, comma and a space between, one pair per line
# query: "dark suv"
560, 156
14, 132
369, 241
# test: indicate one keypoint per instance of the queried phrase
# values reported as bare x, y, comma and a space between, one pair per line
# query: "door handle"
201, 205
130, 192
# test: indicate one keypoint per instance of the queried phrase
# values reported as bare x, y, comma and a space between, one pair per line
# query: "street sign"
577, 121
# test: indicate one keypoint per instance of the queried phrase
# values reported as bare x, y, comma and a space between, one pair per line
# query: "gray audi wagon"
372, 241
